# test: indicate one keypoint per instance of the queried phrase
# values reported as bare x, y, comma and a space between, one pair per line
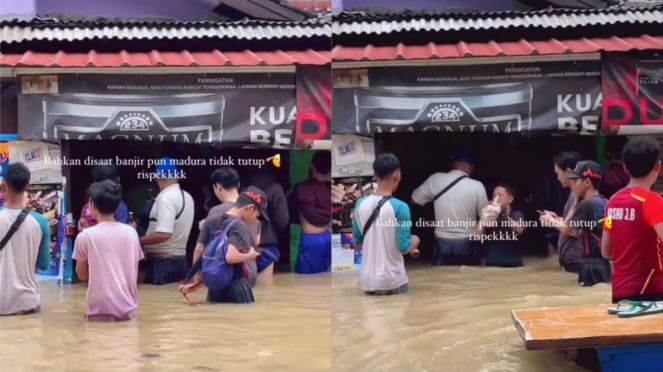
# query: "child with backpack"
227, 264
107, 256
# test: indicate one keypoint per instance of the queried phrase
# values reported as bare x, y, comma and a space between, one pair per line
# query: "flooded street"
287, 329
454, 319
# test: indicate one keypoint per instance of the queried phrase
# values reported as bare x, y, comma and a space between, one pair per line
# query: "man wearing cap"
250, 206
458, 201
581, 225
168, 231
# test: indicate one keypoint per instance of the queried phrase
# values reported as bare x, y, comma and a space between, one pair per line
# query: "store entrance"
523, 162
197, 182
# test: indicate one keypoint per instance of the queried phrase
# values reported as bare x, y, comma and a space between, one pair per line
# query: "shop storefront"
422, 85
206, 102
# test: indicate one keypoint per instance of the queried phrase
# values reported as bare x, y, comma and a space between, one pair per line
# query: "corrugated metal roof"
56, 29
166, 59
496, 49
389, 22
261, 9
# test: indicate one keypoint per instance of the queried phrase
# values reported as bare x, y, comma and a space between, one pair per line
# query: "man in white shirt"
381, 228
25, 245
458, 201
167, 234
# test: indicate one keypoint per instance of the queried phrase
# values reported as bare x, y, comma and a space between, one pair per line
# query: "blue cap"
166, 168
463, 156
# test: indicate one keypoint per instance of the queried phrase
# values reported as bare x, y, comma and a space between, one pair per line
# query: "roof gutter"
467, 61
10, 72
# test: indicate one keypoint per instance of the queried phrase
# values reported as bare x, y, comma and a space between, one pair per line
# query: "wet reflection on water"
454, 319
287, 329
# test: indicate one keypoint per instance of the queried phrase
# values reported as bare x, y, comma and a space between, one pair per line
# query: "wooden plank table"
583, 327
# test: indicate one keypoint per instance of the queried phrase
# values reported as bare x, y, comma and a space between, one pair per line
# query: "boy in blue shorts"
311, 208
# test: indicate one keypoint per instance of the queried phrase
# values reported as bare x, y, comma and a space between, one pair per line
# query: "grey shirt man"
458, 210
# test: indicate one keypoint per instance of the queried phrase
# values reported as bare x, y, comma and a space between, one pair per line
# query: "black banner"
633, 94
505, 98
247, 109
313, 105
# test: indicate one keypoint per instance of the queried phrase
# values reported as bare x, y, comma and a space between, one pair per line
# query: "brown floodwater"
287, 329
455, 319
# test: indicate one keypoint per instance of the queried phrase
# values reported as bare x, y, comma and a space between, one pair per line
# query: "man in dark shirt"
582, 223
251, 204
502, 248
279, 218
225, 182
568, 248
311, 208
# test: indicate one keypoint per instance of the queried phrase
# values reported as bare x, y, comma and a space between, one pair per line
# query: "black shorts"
237, 292
457, 252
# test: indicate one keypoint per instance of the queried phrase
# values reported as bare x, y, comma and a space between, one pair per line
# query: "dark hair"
596, 182
385, 165
227, 177
104, 172
106, 196
17, 177
322, 162
509, 189
567, 159
640, 156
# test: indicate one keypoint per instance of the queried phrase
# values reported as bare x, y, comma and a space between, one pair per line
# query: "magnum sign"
245, 109
192, 118
633, 94
503, 98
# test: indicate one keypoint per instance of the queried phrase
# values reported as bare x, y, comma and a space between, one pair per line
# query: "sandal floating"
645, 308
621, 304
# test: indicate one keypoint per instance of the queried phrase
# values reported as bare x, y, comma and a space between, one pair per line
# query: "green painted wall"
299, 171
600, 150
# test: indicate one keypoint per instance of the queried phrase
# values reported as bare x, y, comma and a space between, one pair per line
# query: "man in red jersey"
633, 227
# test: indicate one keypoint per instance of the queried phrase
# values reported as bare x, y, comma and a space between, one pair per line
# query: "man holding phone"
569, 248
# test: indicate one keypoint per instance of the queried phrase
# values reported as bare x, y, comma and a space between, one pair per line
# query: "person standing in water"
170, 224
225, 182
504, 252
107, 255
583, 223
251, 205
25, 245
633, 227
311, 209
381, 228
457, 200
569, 248
279, 219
